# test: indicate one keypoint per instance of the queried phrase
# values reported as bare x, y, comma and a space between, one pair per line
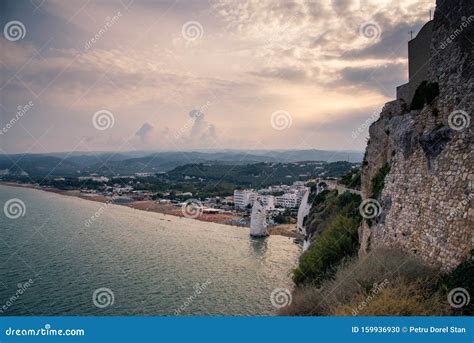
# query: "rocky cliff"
418, 165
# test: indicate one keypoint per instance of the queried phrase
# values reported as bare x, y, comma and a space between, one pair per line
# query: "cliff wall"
425, 206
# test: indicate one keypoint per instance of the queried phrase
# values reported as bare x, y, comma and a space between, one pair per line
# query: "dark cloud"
348, 122
341, 6
144, 131
393, 41
42, 25
196, 114
382, 78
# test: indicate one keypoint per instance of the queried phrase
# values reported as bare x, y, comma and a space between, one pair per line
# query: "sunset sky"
180, 75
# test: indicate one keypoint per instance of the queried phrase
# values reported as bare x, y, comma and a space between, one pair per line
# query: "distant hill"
129, 163
257, 174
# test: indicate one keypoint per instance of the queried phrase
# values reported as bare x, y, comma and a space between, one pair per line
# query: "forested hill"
259, 174
128, 163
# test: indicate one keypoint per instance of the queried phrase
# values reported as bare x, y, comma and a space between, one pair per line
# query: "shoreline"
285, 230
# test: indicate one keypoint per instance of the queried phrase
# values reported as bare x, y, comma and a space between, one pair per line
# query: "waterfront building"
94, 178
268, 201
243, 198
287, 200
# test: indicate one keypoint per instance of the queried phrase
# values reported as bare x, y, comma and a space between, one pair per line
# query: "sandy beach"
287, 230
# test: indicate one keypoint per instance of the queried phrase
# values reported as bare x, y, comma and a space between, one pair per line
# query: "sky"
102, 75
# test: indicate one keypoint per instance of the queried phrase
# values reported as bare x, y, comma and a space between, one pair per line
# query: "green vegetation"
326, 206
286, 217
374, 285
331, 280
256, 174
333, 222
202, 180
378, 181
424, 94
336, 242
352, 179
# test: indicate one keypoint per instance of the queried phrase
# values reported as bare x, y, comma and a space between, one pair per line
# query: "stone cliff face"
426, 201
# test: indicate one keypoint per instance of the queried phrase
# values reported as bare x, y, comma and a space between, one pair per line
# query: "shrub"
328, 204
339, 240
355, 280
281, 219
378, 181
431, 92
332, 223
424, 94
352, 179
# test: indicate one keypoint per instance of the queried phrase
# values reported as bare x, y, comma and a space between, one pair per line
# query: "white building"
144, 174
243, 198
287, 200
268, 201
94, 178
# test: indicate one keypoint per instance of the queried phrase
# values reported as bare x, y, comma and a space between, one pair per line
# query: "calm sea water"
147, 263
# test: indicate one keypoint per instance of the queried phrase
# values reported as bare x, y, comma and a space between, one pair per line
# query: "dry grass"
389, 281
403, 299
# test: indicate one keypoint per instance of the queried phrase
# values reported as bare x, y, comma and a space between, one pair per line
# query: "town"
280, 202
220, 193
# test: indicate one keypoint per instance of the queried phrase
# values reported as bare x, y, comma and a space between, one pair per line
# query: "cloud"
201, 130
343, 6
289, 74
149, 136
254, 58
144, 131
383, 78
392, 43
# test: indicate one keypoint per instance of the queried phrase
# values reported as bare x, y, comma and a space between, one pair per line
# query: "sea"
62, 255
